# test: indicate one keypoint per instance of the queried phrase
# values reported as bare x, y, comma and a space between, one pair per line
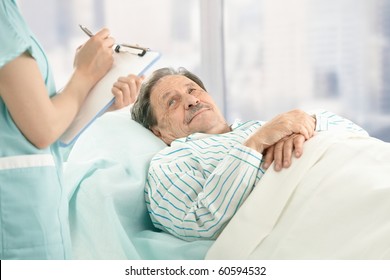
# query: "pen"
86, 30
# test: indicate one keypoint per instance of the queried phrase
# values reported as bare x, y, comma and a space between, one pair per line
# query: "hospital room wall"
169, 26
257, 57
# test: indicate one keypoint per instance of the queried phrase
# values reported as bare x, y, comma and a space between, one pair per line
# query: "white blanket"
332, 203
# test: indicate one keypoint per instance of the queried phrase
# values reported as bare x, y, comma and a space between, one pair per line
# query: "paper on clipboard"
100, 98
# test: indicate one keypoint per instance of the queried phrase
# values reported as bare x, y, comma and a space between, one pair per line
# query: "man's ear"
156, 131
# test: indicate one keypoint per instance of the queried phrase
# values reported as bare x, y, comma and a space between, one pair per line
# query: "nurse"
33, 202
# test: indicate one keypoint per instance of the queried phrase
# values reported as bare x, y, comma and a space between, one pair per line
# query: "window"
331, 54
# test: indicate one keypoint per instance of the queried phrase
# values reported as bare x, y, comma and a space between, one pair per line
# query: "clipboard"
128, 59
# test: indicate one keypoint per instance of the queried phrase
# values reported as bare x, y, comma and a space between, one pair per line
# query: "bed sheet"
105, 176
332, 203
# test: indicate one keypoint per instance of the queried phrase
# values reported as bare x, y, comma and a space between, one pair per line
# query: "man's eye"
171, 102
191, 90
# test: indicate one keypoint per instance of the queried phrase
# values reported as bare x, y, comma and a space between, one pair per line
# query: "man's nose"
191, 101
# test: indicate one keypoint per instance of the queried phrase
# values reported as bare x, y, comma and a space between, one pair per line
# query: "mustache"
193, 110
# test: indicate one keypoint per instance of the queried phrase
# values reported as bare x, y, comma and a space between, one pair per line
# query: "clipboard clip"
121, 47
135, 49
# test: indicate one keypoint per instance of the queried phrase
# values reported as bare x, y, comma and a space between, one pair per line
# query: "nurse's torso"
33, 205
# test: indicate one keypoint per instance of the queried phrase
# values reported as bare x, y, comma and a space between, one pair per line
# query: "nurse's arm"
40, 118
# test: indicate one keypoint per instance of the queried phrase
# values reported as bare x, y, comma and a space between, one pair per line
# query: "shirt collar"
197, 136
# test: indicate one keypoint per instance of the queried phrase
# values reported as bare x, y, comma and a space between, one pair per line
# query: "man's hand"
283, 151
293, 122
125, 91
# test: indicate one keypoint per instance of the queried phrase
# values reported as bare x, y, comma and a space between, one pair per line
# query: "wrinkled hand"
94, 58
126, 90
283, 151
283, 125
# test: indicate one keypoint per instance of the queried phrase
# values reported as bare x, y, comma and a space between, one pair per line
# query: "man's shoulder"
243, 125
176, 148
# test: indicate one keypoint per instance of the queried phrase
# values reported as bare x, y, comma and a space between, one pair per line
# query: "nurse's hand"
126, 90
95, 57
282, 152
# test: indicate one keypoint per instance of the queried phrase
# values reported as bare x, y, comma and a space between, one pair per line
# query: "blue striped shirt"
196, 185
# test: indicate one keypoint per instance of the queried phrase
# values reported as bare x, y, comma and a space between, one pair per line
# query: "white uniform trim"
25, 161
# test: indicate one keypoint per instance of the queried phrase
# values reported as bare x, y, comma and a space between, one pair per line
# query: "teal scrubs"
33, 203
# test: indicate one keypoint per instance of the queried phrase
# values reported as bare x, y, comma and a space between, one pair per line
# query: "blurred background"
257, 58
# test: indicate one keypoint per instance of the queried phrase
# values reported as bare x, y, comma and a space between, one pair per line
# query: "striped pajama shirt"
196, 185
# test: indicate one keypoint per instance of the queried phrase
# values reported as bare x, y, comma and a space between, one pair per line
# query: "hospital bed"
105, 175
332, 203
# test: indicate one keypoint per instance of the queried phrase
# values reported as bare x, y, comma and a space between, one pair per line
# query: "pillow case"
105, 176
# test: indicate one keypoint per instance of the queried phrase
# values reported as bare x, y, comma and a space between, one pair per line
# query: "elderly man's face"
182, 107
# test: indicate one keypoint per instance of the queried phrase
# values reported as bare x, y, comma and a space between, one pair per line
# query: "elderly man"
209, 168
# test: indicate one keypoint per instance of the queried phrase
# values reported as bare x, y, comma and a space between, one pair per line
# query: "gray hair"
142, 111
